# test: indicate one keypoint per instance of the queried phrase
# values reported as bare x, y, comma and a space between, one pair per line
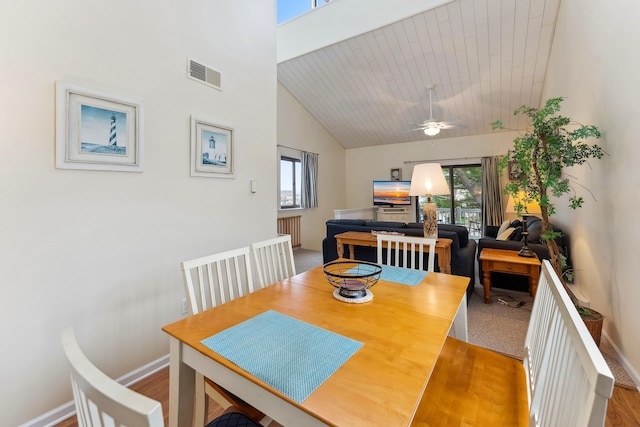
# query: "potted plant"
550, 144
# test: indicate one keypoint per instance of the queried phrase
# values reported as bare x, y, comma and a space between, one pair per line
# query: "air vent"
204, 74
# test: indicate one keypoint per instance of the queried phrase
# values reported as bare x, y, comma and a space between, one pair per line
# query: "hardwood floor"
623, 409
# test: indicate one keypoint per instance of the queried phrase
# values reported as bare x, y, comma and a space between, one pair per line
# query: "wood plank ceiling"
485, 58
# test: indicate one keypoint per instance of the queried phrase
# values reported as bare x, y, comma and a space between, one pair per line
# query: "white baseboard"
622, 360
68, 409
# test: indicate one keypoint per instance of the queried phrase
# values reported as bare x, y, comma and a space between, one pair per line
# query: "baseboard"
622, 360
68, 409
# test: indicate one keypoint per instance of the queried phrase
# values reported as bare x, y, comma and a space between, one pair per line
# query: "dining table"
306, 358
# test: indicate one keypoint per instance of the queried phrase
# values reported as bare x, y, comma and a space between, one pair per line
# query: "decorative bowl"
352, 279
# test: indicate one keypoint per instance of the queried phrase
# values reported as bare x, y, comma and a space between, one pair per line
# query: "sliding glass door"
463, 206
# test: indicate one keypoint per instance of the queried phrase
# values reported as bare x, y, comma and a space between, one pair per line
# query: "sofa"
463, 249
514, 242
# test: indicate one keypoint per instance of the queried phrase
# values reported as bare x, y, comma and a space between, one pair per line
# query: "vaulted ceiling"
484, 59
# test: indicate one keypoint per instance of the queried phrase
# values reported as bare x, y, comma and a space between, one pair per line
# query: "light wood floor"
623, 409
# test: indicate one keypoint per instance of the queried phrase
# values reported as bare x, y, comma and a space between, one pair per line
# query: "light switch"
254, 186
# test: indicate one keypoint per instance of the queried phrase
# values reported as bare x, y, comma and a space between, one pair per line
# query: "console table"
505, 261
361, 238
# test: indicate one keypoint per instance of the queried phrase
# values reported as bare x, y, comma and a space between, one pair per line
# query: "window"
290, 182
463, 206
288, 9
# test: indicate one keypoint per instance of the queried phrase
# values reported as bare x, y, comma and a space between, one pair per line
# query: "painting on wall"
514, 171
97, 131
211, 150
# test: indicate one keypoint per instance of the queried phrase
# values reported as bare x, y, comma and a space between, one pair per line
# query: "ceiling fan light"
432, 131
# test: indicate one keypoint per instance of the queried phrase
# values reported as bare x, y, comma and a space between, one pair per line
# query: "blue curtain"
309, 163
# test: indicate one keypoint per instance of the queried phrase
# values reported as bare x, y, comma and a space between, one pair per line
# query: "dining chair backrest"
273, 259
218, 278
562, 359
406, 251
102, 401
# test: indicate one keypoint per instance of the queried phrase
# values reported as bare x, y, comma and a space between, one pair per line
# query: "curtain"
309, 163
491, 193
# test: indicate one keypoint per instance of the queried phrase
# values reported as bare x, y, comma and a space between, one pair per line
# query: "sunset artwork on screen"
391, 193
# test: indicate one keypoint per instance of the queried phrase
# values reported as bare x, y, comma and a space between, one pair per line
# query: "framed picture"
97, 131
514, 171
396, 174
212, 149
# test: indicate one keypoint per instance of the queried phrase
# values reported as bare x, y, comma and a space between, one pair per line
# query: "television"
391, 193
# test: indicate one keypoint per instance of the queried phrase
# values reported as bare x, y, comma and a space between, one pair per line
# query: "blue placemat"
405, 276
291, 356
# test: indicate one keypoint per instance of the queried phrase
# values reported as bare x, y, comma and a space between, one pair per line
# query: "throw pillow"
505, 224
506, 234
517, 234
534, 227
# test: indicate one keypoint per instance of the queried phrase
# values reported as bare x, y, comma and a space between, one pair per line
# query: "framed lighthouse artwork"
97, 131
212, 149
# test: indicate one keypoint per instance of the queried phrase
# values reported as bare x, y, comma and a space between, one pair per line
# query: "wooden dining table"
402, 331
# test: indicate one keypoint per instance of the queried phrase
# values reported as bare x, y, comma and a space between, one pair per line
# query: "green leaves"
551, 143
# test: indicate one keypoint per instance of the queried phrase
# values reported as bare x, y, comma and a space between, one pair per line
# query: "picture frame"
396, 174
97, 131
212, 150
514, 170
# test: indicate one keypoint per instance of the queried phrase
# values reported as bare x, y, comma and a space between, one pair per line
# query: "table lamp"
428, 179
529, 206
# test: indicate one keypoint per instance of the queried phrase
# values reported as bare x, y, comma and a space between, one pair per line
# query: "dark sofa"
515, 243
463, 249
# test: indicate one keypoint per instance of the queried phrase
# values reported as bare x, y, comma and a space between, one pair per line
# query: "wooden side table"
361, 238
504, 261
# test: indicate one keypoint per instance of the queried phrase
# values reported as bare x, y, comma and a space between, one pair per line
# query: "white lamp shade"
530, 206
428, 179
431, 131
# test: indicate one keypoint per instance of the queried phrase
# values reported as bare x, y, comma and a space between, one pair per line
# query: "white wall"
298, 129
369, 163
594, 65
101, 250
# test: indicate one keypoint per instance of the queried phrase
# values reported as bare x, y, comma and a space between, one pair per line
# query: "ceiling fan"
432, 126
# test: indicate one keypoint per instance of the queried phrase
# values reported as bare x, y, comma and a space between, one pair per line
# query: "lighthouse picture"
214, 148
103, 131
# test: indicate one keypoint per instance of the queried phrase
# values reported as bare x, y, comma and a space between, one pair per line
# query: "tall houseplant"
550, 144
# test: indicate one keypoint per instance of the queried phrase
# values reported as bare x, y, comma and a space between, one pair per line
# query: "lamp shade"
530, 206
428, 179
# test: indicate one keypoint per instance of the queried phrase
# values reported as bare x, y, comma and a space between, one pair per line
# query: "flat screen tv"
391, 193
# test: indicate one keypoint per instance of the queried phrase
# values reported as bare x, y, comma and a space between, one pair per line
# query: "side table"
504, 261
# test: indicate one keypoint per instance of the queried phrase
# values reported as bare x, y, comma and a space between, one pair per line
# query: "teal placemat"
291, 356
405, 276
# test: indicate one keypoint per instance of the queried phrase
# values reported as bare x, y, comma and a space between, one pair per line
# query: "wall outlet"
185, 306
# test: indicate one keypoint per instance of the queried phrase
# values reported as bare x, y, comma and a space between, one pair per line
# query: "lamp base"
527, 252
430, 219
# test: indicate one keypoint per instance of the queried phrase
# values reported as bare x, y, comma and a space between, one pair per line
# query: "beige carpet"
496, 326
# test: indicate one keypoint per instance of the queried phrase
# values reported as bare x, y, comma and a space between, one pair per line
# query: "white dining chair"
273, 259
209, 281
99, 398
102, 401
406, 251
